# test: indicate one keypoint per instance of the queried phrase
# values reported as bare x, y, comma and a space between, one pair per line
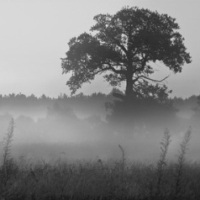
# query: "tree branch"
110, 67
150, 79
117, 42
143, 63
121, 46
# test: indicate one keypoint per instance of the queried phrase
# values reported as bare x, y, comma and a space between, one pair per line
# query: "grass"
162, 162
100, 180
180, 165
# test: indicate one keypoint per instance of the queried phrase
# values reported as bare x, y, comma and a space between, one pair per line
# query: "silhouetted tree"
124, 46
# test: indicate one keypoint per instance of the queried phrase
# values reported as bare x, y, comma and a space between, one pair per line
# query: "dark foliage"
124, 45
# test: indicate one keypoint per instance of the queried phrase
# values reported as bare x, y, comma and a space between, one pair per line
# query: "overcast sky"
34, 35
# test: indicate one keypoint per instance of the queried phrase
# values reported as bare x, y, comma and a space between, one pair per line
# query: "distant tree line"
145, 113
95, 99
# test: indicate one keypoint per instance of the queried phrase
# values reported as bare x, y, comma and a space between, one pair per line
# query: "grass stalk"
7, 149
181, 162
162, 161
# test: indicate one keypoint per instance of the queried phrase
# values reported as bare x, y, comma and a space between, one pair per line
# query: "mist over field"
80, 128
99, 100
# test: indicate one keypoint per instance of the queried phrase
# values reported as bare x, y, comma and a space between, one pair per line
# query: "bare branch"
150, 79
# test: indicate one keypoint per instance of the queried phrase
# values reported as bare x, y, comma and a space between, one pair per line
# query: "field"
113, 179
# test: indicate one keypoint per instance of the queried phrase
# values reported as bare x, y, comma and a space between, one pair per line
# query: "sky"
34, 36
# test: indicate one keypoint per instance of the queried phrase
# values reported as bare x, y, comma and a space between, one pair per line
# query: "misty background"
80, 127
49, 123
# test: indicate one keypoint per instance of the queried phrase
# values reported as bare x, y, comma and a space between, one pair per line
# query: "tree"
124, 47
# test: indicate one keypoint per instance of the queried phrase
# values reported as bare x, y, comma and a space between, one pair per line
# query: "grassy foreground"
120, 180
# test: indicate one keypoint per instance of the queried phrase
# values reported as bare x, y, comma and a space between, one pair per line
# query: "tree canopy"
123, 47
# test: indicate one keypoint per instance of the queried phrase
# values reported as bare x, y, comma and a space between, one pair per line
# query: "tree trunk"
129, 86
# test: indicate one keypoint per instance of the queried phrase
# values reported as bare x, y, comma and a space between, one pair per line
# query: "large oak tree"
123, 47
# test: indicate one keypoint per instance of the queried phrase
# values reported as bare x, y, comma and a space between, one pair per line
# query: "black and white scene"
99, 100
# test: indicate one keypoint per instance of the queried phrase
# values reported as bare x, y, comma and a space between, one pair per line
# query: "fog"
80, 128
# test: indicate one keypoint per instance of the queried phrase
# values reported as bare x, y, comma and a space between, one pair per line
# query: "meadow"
111, 179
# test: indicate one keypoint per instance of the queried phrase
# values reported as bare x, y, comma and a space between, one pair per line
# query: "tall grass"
7, 162
7, 146
101, 180
181, 163
162, 161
